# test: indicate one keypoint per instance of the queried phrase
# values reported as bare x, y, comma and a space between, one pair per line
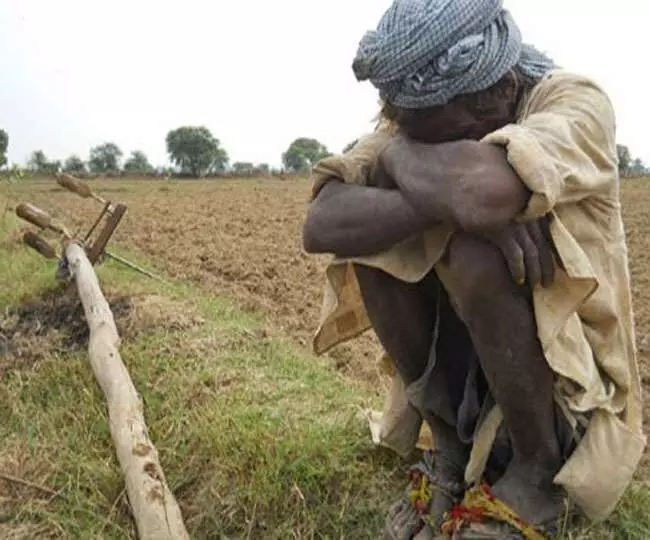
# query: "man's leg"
403, 316
501, 323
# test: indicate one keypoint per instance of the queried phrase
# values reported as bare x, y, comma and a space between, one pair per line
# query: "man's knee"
476, 276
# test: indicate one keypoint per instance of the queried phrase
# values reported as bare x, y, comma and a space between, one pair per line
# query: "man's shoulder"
564, 76
565, 96
355, 165
372, 142
567, 86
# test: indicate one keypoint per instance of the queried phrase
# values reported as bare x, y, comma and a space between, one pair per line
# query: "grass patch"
256, 440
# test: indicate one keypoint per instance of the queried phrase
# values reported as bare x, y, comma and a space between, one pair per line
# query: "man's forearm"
351, 220
468, 184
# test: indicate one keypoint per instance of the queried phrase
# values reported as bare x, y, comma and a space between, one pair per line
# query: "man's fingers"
528, 251
514, 257
531, 256
545, 252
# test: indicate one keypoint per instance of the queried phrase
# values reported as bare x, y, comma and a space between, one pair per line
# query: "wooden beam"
155, 510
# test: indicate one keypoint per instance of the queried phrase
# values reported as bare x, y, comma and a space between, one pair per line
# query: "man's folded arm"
562, 151
355, 208
412, 186
355, 220
467, 184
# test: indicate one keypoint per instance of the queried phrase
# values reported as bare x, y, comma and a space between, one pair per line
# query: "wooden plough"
154, 507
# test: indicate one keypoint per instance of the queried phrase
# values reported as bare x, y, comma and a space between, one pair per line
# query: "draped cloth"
563, 147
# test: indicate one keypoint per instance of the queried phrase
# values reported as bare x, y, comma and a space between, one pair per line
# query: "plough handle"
39, 244
34, 215
72, 184
77, 186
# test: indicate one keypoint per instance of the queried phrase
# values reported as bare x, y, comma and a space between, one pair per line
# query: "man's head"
467, 116
448, 69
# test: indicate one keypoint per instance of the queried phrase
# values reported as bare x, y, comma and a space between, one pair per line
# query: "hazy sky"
258, 73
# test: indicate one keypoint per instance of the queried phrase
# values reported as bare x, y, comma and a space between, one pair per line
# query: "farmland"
242, 239
236, 238
237, 242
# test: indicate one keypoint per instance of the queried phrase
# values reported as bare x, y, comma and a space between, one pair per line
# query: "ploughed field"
242, 239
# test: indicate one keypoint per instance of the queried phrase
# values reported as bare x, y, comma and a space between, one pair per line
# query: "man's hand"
528, 250
466, 184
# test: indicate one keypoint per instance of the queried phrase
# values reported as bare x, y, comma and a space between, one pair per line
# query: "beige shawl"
563, 146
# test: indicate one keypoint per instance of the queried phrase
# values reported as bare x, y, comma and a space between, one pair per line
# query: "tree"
138, 163
350, 145
164, 172
637, 167
243, 168
105, 158
4, 145
37, 161
74, 165
624, 159
219, 162
627, 165
196, 151
303, 154
53, 167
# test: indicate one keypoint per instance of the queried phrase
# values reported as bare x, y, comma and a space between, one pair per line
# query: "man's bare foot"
449, 487
530, 492
445, 483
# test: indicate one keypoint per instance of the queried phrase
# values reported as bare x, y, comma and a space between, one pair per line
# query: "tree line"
196, 152
193, 150
629, 166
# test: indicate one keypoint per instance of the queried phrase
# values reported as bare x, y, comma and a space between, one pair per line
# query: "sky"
257, 73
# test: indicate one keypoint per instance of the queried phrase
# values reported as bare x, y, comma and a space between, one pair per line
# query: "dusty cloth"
426, 52
563, 147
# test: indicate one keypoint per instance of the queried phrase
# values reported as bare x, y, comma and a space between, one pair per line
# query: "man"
478, 231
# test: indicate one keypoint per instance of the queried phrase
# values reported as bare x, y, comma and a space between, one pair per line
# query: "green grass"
256, 439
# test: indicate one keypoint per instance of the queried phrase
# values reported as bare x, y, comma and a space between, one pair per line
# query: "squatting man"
477, 230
